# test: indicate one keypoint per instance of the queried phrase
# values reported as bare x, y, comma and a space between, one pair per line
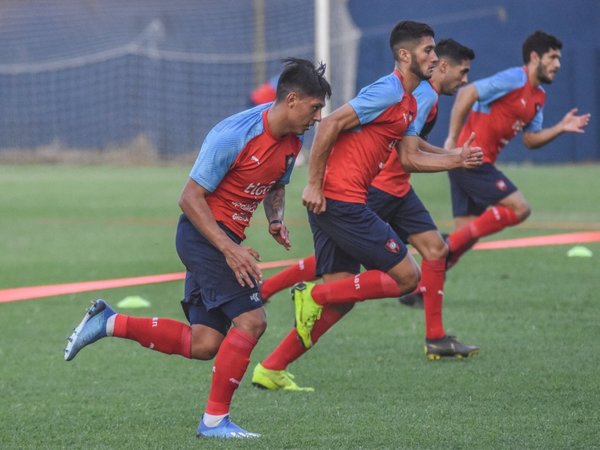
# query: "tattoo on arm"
274, 203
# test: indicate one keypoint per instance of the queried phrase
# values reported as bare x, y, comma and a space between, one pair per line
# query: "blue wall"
496, 31
174, 103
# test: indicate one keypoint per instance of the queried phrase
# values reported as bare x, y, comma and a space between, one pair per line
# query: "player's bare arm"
241, 259
426, 147
343, 118
465, 98
414, 159
274, 204
570, 123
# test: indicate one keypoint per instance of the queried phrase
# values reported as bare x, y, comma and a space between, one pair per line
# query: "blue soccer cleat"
226, 429
91, 328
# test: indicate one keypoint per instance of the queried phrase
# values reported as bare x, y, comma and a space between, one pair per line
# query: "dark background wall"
94, 74
496, 31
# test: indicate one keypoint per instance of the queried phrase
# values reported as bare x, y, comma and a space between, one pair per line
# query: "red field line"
32, 292
538, 241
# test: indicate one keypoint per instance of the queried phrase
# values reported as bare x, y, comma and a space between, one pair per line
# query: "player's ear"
404, 55
443, 65
291, 99
534, 57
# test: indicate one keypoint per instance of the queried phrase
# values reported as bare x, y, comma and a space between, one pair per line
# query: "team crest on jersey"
501, 184
392, 246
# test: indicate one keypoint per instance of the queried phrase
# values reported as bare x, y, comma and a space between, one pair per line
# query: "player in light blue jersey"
245, 159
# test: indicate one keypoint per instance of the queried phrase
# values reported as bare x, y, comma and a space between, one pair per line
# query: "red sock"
372, 284
163, 335
303, 270
491, 221
230, 366
432, 287
290, 349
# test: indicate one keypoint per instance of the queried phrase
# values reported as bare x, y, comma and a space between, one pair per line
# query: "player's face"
306, 111
456, 76
548, 65
423, 58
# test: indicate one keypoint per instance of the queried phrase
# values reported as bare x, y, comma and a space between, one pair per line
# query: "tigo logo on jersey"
258, 189
392, 246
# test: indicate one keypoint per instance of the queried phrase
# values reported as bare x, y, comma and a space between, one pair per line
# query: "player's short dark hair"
406, 32
454, 51
539, 42
302, 76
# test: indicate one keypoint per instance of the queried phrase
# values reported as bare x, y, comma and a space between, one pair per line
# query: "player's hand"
243, 262
281, 234
573, 123
313, 199
471, 156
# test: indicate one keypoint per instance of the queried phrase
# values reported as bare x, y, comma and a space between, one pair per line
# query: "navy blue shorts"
475, 190
347, 235
406, 215
213, 296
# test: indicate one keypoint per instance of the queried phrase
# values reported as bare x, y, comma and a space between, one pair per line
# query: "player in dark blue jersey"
244, 159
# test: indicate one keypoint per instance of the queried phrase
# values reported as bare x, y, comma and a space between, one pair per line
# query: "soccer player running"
484, 200
392, 198
350, 148
245, 159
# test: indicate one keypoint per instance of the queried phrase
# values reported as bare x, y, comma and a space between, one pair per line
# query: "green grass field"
533, 311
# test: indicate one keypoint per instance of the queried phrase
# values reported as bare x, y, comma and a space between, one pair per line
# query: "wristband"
275, 221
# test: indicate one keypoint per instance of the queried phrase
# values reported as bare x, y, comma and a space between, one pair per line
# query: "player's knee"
414, 280
435, 251
410, 280
254, 326
521, 209
523, 213
406, 274
205, 343
205, 350
202, 353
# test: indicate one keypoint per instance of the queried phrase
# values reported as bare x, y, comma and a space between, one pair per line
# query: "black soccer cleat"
448, 346
412, 300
